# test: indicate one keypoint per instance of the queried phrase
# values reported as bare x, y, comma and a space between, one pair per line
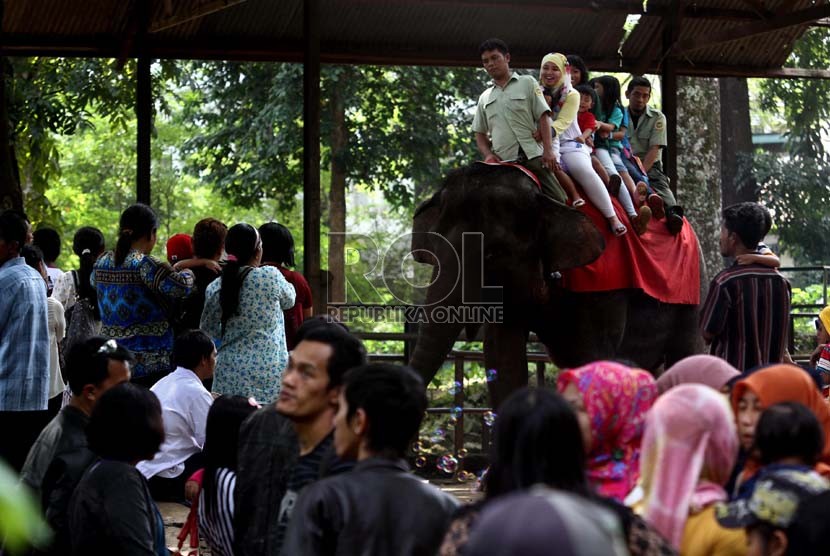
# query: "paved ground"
175, 515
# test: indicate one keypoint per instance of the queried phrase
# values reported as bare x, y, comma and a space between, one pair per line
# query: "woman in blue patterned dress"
136, 292
244, 314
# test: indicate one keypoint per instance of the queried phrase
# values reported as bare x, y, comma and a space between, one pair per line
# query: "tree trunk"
736, 143
698, 163
337, 197
11, 196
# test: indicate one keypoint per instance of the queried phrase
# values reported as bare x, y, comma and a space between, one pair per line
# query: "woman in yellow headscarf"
573, 156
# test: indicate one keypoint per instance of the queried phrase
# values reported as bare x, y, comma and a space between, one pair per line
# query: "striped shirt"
747, 312
216, 523
24, 338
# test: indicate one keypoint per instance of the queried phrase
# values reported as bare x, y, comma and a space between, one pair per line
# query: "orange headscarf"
787, 383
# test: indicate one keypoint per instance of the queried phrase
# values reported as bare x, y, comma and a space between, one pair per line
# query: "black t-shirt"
307, 471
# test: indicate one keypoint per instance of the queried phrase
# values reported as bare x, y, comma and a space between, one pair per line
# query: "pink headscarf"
698, 369
689, 448
616, 398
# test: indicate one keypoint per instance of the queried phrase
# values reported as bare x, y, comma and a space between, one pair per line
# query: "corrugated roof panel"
400, 31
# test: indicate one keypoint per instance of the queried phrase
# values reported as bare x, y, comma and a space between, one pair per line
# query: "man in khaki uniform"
647, 134
508, 113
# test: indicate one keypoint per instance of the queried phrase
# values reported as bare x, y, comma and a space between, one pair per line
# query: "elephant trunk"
435, 340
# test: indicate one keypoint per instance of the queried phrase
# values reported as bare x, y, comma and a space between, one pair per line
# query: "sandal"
619, 230
579, 203
658, 208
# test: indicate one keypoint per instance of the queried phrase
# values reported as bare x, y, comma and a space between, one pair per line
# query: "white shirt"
184, 407
57, 329
53, 274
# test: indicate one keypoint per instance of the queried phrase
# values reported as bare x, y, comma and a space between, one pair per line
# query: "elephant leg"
685, 339
505, 350
587, 327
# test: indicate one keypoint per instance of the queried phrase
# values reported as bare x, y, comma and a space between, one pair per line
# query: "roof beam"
633, 7
752, 29
339, 53
200, 12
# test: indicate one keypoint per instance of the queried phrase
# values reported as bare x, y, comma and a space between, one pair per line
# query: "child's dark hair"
137, 222
126, 424
347, 352
88, 244
33, 256
493, 44
190, 347
241, 242
277, 244
638, 81
610, 93
591, 92
789, 430
577, 62
224, 420
536, 440
394, 400
49, 241
749, 220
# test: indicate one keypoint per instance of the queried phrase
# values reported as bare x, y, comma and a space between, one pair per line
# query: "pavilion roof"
711, 37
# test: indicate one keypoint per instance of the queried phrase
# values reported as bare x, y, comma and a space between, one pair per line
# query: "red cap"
179, 248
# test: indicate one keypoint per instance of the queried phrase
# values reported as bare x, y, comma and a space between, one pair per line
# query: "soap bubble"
456, 412
490, 418
448, 464
491, 375
462, 453
456, 388
418, 447
420, 461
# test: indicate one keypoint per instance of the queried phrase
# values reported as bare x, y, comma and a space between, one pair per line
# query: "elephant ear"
426, 216
567, 237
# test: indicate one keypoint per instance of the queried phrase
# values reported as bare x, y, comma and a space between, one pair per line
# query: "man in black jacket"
93, 367
287, 446
59, 456
379, 507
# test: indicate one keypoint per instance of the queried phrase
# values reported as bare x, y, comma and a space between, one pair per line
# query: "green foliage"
796, 188
246, 121
797, 191
806, 102
51, 97
21, 525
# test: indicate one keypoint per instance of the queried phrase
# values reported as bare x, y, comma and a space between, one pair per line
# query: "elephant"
525, 239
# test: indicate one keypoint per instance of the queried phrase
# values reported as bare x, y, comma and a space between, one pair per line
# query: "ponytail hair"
138, 221
240, 244
88, 244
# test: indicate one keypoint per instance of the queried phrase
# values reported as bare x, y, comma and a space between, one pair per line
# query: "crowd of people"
206, 380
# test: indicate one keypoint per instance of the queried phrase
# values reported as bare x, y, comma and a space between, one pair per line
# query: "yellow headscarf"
824, 317
561, 62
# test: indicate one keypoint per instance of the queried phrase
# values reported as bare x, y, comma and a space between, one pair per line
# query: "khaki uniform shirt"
649, 130
510, 115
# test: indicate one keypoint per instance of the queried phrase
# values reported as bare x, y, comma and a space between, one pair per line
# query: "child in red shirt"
585, 117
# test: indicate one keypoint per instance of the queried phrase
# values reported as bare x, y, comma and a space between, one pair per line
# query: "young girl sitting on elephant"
611, 130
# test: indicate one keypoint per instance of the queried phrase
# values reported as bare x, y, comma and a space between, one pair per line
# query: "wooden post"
143, 104
144, 124
669, 94
311, 152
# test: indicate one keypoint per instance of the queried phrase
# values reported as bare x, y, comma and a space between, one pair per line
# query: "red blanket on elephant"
664, 266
